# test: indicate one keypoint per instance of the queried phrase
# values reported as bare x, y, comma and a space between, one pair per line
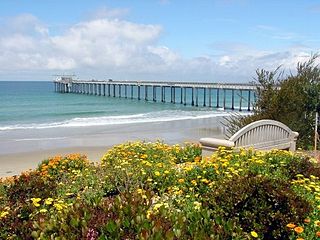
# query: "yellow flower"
179, 192
58, 206
48, 201
43, 210
3, 214
181, 180
159, 165
194, 182
148, 214
254, 234
157, 206
139, 191
36, 201
157, 173
204, 180
317, 223
197, 205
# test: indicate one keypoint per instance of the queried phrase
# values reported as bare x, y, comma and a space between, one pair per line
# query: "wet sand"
21, 150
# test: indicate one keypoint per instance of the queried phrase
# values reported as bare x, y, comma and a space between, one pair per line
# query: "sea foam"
159, 116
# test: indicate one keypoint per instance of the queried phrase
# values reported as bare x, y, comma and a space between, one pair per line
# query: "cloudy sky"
204, 40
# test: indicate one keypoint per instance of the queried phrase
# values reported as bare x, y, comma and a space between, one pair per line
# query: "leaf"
126, 223
169, 235
111, 226
74, 222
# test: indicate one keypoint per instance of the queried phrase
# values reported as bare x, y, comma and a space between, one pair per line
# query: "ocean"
34, 118
35, 105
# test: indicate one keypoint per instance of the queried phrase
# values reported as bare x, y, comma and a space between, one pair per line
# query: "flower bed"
156, 191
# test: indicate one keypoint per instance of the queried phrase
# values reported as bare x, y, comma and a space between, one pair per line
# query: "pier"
229, 96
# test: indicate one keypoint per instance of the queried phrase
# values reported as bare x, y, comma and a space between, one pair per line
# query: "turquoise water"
28, 105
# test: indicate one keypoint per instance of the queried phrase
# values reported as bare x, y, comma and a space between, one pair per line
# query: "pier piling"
203, 91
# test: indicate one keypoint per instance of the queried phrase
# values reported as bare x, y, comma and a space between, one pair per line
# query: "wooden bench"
261, 135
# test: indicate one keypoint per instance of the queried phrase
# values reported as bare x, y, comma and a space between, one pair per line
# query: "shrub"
134, 164
292, 100
156, 191
303, 165
58, 165
29, 185
260, 204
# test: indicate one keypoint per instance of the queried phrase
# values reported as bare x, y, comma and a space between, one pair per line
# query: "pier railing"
233, 96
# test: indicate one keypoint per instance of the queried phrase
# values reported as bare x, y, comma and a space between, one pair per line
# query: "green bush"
156, 191
292, 100
29, 185
260, 204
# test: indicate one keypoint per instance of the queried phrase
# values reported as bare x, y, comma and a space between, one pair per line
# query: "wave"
160, 116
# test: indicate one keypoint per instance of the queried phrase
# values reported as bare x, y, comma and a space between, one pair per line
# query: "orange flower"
298, 230
307, 220
291, 225
318, 234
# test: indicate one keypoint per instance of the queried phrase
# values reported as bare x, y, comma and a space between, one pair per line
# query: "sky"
169, 40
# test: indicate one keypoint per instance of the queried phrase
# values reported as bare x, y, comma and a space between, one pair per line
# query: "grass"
155, 191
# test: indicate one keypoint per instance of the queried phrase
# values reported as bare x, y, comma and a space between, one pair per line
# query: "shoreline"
24, 150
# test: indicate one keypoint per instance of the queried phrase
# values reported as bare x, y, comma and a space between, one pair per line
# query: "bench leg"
292, 146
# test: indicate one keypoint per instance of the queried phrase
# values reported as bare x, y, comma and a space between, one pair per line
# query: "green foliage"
29, 185
292, 100
260, 203
130, 164
302, 166
156, 191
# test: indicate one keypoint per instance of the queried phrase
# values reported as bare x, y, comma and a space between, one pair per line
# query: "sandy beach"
21, 150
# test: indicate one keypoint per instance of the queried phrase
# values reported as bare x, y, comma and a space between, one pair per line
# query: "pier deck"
233, 96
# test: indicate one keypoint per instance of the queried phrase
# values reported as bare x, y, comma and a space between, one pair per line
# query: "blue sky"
205, 40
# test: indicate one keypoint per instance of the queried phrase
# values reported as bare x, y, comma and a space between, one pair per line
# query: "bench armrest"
295, 135
215, 143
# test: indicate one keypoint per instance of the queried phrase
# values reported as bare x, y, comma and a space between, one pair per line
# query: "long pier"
232, 96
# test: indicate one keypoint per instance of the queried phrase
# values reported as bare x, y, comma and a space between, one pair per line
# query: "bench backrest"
265, 134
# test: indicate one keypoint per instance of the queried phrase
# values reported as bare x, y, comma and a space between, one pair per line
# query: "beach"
23, 149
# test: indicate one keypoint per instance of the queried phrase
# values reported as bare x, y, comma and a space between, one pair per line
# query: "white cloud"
110, 47
168, 56
60, 63
225, 60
